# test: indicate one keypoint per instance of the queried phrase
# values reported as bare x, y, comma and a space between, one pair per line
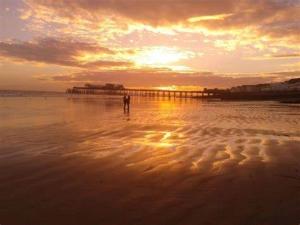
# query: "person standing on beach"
126, 102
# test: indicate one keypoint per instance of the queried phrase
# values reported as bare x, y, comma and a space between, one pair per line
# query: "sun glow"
179, 88
167, 88
161, 56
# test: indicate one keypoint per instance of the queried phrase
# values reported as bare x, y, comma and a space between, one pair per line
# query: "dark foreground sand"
75, 190
221, 168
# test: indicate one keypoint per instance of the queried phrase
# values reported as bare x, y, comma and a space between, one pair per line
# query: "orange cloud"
271, 19
287, 55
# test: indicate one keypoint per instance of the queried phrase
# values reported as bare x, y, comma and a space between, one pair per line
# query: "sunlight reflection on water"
163, 133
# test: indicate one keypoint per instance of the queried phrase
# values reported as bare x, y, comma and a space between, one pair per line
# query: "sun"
160, 56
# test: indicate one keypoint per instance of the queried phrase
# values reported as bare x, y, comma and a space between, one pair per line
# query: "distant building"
294, 84
247, 88
108, 86
290, 85
214, 90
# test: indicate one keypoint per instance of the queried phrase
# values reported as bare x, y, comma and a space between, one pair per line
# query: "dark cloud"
155, 12
163, 78
101, 64
271, 18
288, 55
59, 52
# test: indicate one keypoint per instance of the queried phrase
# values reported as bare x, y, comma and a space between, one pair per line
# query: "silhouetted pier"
204, 94
145, 92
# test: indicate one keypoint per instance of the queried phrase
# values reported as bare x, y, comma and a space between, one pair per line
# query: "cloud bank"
59, 52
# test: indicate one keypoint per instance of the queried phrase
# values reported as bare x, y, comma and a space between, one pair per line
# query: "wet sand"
69, 161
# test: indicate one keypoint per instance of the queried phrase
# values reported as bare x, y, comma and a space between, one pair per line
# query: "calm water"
181, 161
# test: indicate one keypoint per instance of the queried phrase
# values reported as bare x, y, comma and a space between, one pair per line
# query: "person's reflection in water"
127, 115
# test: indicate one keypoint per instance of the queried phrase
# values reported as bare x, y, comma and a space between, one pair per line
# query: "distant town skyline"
52, 45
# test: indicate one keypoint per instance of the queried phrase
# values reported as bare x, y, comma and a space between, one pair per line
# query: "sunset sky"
55, 44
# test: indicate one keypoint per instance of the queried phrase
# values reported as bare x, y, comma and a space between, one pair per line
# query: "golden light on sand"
160, 56
156, 140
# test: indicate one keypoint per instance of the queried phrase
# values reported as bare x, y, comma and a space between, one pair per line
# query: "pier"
145, 92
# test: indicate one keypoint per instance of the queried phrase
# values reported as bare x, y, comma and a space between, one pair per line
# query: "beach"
69, 160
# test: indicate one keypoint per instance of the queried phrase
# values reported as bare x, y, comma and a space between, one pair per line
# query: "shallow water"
82, 160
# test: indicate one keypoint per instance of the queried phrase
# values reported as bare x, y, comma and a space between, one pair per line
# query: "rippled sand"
69, 161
